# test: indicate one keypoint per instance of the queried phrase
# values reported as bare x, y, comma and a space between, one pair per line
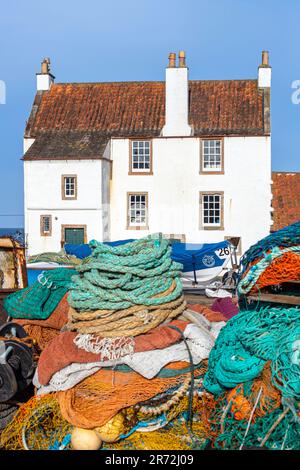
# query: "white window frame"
136, 200
210, 154
69, 186
206, 207
140, 154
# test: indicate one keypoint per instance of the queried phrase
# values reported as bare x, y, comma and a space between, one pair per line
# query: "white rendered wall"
42, 186
173, 189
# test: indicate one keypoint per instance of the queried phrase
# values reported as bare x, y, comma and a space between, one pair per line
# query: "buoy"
85, 439
111, 431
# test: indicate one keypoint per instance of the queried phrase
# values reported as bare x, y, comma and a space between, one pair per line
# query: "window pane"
137, 213
212, 154
211, 209
141, 154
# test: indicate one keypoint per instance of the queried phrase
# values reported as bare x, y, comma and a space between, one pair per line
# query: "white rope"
250, 418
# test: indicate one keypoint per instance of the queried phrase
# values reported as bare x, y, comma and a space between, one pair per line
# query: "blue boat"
202, 263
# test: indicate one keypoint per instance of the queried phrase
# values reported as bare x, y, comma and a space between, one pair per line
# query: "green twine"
285, 436
115, 278
250, 339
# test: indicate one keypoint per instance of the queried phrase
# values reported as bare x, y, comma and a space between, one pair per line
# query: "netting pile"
254, 366
128, 360
125, 358
272, 261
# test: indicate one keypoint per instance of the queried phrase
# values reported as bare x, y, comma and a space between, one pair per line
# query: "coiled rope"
115, 278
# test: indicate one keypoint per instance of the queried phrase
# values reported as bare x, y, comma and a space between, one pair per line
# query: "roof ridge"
287, 172
156, 81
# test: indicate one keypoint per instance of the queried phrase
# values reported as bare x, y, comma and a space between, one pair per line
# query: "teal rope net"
120, 277
286, 237
250, 339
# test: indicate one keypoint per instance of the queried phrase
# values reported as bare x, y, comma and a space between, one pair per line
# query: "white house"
111, 161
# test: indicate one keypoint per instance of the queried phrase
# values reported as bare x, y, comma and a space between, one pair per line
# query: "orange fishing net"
242, 405
283, 269
95, 400
43, 331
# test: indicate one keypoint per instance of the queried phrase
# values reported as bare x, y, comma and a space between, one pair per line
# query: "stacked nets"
272, 261
39, 424
254, 366
128, 360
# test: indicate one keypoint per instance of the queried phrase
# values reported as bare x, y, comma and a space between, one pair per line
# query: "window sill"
149, 173
207, 227
138, 227
209, 172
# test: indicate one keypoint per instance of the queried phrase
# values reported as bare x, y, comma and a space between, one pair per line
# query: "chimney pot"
265, 58
45, 65
181, 56
172, 59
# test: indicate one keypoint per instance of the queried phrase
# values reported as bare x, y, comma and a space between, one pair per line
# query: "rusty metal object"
13, 274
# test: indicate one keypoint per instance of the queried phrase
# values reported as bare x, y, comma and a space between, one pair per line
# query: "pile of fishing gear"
254, 367
122, 358
125, 363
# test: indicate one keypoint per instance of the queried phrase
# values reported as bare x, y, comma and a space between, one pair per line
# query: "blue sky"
119, 40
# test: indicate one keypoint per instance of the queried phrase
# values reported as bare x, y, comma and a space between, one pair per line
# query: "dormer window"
212, 156
140, 157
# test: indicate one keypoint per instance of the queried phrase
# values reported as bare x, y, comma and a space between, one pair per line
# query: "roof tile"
286, 199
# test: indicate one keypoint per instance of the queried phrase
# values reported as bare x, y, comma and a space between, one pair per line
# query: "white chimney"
264, 71
177, 98
44, 79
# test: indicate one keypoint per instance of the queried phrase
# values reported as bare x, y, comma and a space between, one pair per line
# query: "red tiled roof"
120, 109
286, 199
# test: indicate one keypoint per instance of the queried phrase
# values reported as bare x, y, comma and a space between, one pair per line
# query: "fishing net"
275, 431
60, 257
40, 299
255, 271
286, 237
283, 269
250, 339
175, 436
44, 331
38, 424
95, 400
